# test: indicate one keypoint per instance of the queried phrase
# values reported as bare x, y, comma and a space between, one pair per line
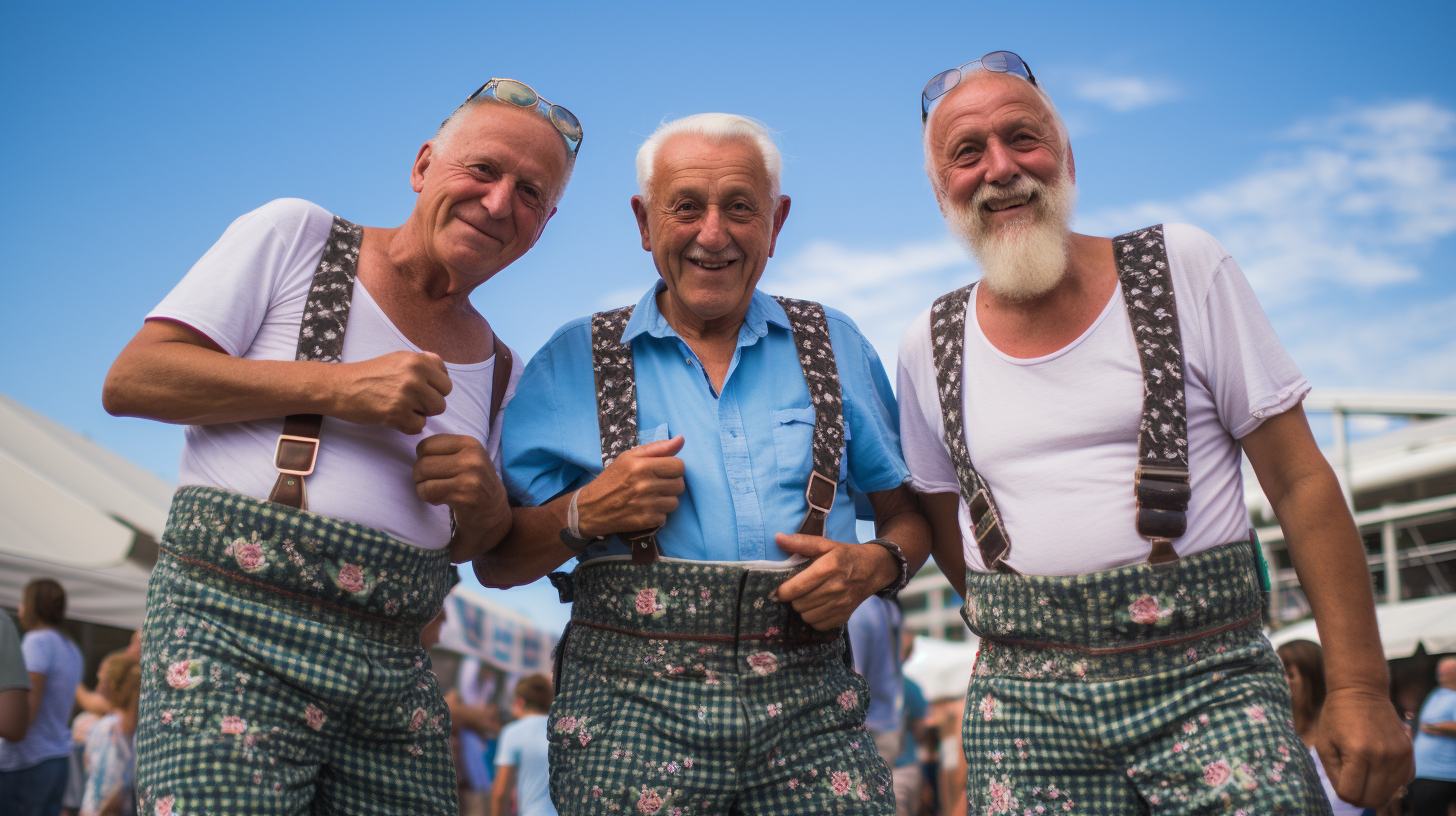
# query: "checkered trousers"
686, 689
282, 668
1131, 691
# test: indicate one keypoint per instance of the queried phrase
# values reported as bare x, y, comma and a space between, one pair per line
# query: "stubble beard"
1027, 257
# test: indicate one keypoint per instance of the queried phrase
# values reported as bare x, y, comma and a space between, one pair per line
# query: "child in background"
110, 747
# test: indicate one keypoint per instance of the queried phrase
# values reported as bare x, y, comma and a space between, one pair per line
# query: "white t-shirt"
247, 294
1056, 437
523, 745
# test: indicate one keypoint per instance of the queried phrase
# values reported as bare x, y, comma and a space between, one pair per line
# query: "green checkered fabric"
282, 668
686, 689
1131, 691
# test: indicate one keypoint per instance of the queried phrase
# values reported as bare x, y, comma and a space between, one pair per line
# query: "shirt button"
733, 434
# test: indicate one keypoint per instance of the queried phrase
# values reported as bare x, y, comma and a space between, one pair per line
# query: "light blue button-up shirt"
747, 451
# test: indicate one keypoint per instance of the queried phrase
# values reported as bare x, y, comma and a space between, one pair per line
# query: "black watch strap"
576, 545
890, 592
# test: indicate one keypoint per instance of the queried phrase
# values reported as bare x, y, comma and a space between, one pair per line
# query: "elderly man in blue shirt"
705, 453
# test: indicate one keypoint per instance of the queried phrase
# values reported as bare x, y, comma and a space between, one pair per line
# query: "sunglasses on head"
522, 95
1000, 62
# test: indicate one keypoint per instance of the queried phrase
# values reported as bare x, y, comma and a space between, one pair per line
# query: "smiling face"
710, 221
1003, 178
486, 194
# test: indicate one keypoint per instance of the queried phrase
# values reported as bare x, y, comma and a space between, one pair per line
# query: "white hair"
718, 127
450, 125
925, 128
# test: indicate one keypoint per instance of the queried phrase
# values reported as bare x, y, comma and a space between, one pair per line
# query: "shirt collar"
648, 319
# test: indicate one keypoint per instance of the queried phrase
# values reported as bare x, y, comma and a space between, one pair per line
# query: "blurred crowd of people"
84, 765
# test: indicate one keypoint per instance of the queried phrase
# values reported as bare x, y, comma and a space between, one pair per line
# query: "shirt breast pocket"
645, 435
793, 430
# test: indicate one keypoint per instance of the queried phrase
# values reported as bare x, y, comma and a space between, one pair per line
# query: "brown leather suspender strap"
320, 339
500, 380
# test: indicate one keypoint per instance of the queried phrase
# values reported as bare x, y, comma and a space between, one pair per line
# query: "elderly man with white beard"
1074, 423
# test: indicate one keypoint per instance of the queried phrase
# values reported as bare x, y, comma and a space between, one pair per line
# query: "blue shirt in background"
523, 745
915, 710
747, 450
874, 635
1435, 754
52, 654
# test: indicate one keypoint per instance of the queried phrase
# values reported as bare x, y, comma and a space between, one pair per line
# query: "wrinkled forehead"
526, 133
987, 93
690, 158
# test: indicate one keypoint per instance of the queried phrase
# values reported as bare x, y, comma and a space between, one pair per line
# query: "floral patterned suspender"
321, 339
616, 387
1161, 483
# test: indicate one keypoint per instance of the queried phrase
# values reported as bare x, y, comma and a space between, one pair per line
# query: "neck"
693, 328
404, 264
1306, 724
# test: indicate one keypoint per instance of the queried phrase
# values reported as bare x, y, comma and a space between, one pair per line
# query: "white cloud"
1124, 93
1346, 205
1358, 199
882, 291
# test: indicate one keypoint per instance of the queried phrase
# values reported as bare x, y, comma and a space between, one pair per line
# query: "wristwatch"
890, 592
571, 534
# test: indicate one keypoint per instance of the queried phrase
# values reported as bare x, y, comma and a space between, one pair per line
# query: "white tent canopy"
1428, 622
942, 668
74, 511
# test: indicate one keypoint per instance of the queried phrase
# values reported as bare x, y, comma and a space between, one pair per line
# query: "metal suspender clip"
290, 461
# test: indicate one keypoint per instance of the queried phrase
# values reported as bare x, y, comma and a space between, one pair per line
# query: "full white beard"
1027, 257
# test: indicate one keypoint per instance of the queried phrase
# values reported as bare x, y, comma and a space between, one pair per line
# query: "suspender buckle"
295, 459
824, 503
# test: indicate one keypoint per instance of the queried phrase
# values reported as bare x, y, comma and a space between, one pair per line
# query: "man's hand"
399, 390
1364, 747
841, 576
455, 471
635, 493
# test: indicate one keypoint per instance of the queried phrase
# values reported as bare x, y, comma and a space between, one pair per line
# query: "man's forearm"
530, 549
1330, 560
1440, 729
911, 532
186, 384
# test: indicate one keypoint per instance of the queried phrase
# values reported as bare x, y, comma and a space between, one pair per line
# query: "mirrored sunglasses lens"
566, 123
941, 83
997, 61
509, 90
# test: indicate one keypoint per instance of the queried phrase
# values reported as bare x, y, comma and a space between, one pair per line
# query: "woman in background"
33, 770
110, 748
1304, 668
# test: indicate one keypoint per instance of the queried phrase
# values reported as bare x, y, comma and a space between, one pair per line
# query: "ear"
422, 163
1071, 164
639, 209
541, 229
781, 214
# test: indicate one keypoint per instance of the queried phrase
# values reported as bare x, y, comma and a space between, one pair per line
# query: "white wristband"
573, 518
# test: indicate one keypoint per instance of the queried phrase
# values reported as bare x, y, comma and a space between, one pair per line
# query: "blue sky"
1316, 141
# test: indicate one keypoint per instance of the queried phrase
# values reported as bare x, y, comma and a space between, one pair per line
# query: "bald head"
483, 113
1446, 672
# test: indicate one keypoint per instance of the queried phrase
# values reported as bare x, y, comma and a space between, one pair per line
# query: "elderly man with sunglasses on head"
328, 484
705, 454
1074, 422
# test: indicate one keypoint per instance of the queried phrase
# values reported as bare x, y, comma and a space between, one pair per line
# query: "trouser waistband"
334, 571
1211, 596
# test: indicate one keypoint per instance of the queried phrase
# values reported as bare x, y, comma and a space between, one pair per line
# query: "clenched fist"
399, 390
455, 471
636, 492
